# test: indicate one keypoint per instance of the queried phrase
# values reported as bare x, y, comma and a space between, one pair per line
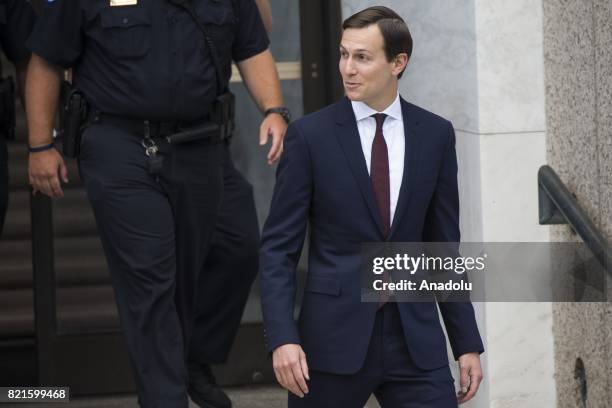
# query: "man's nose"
349, 67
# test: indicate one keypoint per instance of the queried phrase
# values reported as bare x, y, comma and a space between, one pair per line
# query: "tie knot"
380, 119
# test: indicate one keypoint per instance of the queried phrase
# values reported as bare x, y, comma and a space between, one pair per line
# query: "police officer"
230, 268
155, 162
16, 21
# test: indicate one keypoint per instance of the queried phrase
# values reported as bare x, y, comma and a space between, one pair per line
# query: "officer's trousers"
156, 232
3, 182
229, 270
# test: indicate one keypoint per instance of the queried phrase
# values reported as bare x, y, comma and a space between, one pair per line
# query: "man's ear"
399, 63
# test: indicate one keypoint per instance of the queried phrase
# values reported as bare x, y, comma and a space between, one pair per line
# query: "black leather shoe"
203, 388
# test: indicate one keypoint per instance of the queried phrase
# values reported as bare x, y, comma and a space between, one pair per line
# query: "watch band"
281, 110
41, 148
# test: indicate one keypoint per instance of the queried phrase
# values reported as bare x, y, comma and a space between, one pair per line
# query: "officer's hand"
289, 362
273, 125
45, 169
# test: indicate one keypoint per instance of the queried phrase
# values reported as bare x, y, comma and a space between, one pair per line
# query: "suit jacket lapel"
410, 159
348, 137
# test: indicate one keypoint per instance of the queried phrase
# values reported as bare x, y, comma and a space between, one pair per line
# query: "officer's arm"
42, 94
265, 11
261, 79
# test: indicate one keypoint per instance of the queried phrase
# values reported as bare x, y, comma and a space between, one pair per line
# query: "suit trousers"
156, 232
388, 372
4, 178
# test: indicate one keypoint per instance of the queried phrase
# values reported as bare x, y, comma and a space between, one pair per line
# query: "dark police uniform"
177, 239
16, 21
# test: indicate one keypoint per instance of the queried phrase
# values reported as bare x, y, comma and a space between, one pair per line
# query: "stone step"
72, 215
78, 261
83, 309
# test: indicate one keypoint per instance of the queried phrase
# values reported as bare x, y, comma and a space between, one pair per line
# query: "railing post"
43, 268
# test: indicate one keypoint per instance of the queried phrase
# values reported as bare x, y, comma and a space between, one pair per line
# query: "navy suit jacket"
322, 180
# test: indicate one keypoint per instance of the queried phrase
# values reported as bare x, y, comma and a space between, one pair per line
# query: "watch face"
286, 115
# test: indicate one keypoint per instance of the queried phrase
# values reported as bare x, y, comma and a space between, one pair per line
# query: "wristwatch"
281, 110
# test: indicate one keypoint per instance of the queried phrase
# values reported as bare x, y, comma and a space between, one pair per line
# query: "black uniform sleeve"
19, 19
57, 35
251, 36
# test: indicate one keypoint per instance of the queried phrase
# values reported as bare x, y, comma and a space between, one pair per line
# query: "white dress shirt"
393, 132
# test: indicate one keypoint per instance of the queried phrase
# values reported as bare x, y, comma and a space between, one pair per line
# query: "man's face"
366, 74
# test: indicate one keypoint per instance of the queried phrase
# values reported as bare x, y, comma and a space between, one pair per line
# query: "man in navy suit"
371, 167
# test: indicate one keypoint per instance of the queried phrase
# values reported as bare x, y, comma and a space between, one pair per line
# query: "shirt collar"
362, 110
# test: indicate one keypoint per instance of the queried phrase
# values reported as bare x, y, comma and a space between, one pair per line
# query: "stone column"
578, 66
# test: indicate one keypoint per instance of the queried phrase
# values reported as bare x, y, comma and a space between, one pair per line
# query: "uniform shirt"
393, 133
147, 60
16, 21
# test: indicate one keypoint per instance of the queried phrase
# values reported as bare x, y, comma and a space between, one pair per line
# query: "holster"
7, 108
72, 120
218, 129
222, 113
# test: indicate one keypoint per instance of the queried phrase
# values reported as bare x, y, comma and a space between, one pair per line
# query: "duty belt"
174, 132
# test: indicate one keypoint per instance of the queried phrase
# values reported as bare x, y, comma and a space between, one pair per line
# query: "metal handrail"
557, 205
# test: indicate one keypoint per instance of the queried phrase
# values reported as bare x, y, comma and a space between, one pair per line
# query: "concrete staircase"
81, 272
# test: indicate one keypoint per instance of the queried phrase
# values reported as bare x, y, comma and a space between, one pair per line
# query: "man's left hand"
273, 125
471, 376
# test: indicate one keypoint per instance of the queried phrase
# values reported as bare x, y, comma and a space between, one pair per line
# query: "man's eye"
361, 57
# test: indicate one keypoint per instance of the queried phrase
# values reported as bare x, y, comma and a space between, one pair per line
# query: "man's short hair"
395, 33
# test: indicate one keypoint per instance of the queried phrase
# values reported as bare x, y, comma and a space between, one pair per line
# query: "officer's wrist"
37, 148
280, 110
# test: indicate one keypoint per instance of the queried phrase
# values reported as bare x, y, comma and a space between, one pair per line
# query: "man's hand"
45, 169
471, 376
289, 362
273, 125
261, 79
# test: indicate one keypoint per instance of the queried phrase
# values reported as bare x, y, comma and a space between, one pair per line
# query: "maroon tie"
379, 173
